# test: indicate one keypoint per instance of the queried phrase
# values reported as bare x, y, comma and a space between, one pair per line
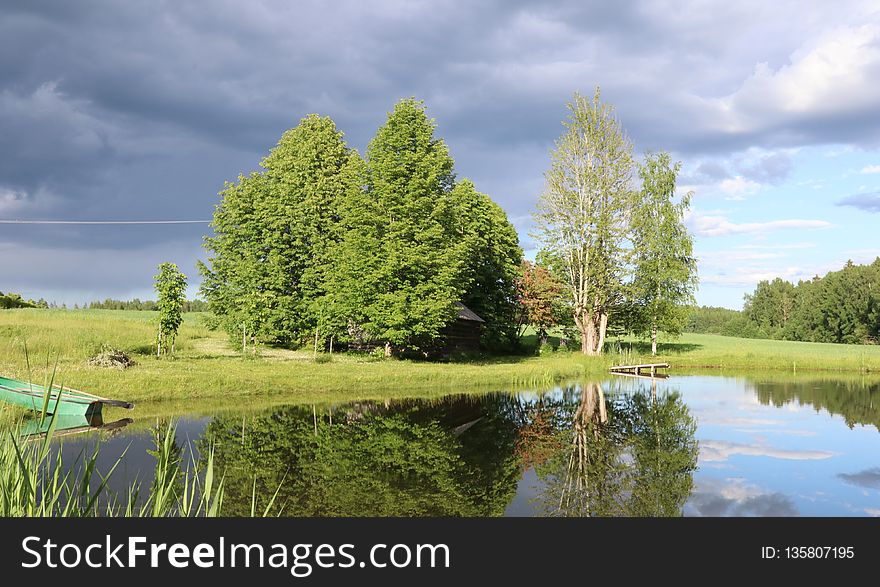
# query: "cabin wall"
461, 336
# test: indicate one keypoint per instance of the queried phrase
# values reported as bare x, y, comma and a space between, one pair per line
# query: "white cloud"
870, 169
81, 275
728, 421
10, 199
682, 189
865, 201
737, 267
48, 107
734, 496
716, 450
724, 258
721, 226
135, 89
861, 256
763, 166
749, 276
815, 184
740, 174
776, 247
20, 202
739, 186
832, 75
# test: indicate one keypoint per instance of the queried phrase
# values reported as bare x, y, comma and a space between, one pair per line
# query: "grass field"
712, 351
206, 367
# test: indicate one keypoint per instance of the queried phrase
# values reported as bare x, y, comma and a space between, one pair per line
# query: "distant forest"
145, 305
13, 300
723, 321
842, 307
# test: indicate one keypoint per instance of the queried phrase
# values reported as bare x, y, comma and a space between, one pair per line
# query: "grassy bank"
206, 368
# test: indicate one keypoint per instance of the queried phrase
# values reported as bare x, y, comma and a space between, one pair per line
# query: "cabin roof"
465, 313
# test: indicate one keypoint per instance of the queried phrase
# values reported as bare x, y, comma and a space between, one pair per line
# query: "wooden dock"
638, 370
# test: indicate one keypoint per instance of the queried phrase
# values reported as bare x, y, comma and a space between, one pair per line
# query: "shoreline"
207, 369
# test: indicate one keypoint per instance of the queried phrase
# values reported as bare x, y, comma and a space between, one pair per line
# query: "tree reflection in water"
449, 457
631, 455
461, 455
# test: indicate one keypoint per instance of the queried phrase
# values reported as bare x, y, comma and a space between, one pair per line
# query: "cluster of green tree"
323, 244
842, 307
622, 252
454, 457
145, 305
13, 300
724, 321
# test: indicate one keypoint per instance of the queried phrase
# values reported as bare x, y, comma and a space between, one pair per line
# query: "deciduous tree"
538, 294
664, 266
275, 234
403, 264
582, 213
171, 289
491, 266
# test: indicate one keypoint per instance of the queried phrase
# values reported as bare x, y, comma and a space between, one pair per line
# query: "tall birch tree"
582, 214
664, 266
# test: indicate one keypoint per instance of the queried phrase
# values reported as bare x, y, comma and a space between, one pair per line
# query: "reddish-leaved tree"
538, 294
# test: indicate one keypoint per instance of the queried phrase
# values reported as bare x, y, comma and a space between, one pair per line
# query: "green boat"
62, 401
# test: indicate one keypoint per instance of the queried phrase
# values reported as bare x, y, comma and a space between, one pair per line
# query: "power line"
105, 221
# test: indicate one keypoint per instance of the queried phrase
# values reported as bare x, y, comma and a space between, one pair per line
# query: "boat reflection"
64, 425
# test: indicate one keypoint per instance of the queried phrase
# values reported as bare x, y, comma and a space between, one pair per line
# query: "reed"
35, 480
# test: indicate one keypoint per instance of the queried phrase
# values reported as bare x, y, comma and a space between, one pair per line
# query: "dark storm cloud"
869, 478
140, 110
869, 202
99, 273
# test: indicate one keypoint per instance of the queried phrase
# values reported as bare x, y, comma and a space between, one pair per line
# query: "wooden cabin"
462, 335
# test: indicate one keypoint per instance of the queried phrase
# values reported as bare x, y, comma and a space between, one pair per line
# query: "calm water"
697, 445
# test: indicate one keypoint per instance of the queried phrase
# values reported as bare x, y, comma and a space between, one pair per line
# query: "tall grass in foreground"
36, 482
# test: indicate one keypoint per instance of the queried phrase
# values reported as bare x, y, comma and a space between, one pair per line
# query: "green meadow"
206, 373
206, 366
711, 351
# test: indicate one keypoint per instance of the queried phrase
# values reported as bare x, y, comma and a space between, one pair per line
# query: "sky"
140, 111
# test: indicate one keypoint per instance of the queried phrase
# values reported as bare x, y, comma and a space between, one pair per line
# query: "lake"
692, 445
